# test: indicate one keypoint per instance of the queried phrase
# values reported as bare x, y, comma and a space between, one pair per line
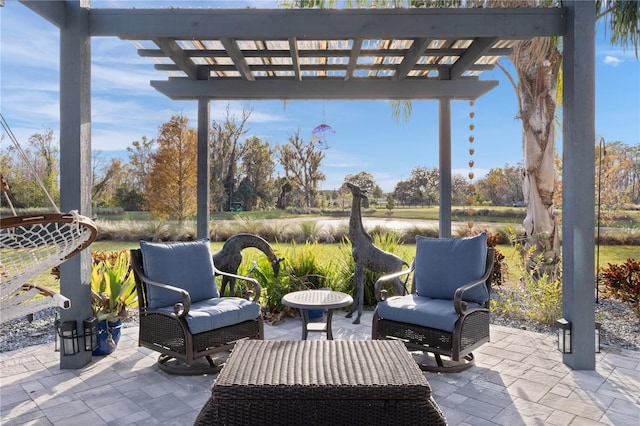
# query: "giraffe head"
275, 262
356, 191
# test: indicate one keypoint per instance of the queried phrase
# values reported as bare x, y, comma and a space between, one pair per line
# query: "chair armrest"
180, 309
380, 294
459, 304
254, 296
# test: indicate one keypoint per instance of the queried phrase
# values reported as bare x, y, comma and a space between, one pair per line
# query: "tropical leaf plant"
113, 288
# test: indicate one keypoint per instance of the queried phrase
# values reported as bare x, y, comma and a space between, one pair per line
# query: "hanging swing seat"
30, 245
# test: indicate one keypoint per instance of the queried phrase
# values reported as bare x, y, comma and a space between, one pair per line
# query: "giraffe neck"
355, 221
250, 240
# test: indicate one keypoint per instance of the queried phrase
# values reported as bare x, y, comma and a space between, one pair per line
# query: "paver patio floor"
519, 379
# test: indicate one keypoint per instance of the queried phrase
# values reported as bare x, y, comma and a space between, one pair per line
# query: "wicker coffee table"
316, 299
320, 382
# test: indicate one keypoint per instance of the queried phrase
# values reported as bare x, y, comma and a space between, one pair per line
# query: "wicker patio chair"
447, 312
182, 315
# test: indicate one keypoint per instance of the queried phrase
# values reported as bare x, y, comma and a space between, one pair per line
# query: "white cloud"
612, 60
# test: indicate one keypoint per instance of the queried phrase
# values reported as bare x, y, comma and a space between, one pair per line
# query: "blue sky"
367, 138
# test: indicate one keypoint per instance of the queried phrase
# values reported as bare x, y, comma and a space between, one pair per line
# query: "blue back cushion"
444, 264
187, 265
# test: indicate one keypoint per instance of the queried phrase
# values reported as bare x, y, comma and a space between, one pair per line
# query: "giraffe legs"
358, 293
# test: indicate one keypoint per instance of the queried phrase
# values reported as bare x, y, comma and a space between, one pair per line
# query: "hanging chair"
30, 245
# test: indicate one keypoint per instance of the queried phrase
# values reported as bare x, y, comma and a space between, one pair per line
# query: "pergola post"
203, 211
578, 179
445, 166
75, 160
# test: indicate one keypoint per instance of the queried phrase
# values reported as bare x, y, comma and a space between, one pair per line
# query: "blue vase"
108, 337
315, 314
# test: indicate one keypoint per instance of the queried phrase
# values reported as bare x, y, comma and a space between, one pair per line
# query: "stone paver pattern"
518, 379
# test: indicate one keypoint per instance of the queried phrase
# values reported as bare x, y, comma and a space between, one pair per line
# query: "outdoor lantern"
69, 336
598, 327
90, 333
564, 335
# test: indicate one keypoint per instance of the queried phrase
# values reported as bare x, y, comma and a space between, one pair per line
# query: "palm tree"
538, 67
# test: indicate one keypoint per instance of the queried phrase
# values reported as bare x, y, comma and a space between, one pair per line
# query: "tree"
502, 186
172, 181
26, 169
366, 182
537, 63
257, 186
616, 176
226, 149
459, 189
140, 161
301, 163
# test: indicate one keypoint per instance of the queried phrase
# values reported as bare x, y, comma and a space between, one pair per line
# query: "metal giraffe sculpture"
367, 256
229, 258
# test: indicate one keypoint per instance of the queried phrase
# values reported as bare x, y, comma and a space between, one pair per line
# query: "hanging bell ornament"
471, 212
471, 175
471, 127
470, 224
472, 188
471, 163
472, 114
471, 103
471, 151
471, 139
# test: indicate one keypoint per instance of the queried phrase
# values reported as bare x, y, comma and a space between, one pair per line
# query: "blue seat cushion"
412, 309
442, 265
186, 265
216, 313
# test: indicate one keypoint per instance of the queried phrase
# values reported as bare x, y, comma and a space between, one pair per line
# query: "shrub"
300, 270
310, 230
538, 292
623, 283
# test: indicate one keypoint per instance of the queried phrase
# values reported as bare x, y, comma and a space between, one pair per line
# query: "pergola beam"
411, 57
344, 53
355, 89
473, 53
177, 56
53, 11
144, 24
235, 54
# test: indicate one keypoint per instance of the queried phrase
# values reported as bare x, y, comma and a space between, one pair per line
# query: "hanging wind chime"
319, 134
472, 187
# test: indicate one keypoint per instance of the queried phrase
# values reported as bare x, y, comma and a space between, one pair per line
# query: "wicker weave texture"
321, 382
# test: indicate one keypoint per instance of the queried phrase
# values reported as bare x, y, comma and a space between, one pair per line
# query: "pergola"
401, 54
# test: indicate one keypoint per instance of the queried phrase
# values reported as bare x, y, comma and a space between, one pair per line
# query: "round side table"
316, 299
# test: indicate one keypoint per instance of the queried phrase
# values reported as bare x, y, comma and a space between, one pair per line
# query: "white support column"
578, 178
445, 166
203, 172
75, 160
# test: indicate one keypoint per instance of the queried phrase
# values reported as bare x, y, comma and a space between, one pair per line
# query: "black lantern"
69, 337
598, 327
90, 326
564, 335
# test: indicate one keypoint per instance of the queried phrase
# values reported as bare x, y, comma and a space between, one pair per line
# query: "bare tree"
301, 162
226, 149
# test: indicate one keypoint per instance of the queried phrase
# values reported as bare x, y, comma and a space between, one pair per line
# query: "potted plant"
113, 292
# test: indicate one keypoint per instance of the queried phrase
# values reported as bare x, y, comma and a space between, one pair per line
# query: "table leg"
329, 330
304, 313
